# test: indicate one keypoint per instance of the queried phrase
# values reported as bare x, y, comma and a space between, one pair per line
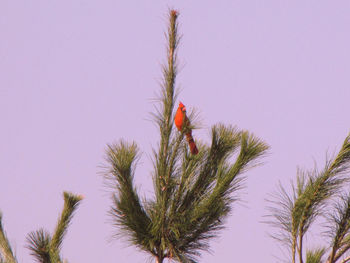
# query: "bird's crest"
182, 107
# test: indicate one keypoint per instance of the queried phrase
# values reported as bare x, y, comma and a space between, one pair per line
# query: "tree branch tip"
71, 196
174, 13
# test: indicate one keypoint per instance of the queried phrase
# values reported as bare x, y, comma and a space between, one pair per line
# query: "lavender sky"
76, 75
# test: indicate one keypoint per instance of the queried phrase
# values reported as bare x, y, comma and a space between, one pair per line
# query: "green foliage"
43, 247
40, 245
6, 254
71, 203
315, 256
339, 226
294, 214
127, 209
193, 193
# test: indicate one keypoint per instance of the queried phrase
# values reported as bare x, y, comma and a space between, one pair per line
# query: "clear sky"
76, 75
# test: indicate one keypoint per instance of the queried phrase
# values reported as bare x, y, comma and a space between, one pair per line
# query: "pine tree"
313, 194
193, 193
44, 247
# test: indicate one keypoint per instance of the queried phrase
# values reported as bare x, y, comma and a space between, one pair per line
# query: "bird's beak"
184, 109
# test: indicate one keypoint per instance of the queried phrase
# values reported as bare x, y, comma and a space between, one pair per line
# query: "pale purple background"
76, 75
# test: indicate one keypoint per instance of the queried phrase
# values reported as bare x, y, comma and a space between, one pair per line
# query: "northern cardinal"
180, 120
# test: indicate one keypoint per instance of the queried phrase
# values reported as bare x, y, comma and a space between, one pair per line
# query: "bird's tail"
192, 144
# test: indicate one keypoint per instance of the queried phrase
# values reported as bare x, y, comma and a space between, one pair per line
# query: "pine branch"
341, 252
320, 189
71, 203
340, 226
280, 211
5, 248
39, 244
312, 191
224, 143
347, 259
315, 256
209, 204
341, 164
165, 159
165, 116
127, 211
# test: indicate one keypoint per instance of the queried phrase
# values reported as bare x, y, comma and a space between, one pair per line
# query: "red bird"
181, 119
